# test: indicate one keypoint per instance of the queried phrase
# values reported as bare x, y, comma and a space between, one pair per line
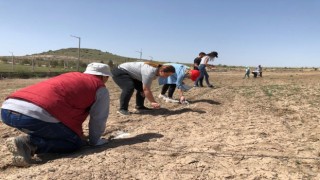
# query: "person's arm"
148, 75
148, 94
180, 76
182, 98
99, 113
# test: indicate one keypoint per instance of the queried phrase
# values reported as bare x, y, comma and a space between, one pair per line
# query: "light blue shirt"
176, 78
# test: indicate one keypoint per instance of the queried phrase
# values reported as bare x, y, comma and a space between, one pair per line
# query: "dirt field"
263, 128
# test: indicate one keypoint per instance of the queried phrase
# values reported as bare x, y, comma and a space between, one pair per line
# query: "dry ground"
263, 128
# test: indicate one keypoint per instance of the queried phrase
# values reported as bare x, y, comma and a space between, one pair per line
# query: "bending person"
196, 64
176, 81
138, 76
202, 68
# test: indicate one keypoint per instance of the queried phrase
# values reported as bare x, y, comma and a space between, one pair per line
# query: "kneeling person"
52, 112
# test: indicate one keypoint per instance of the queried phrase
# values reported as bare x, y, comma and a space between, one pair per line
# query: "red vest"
67, 97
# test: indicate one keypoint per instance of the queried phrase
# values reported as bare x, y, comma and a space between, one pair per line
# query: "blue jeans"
47, 137
203, 73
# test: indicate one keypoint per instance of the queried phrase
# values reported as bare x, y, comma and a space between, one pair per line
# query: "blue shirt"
177, 77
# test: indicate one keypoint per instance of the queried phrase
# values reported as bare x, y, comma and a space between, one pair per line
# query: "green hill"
62, 60
86, 55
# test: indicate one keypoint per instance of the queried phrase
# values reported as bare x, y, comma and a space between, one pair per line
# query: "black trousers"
128, 85
171, 87
255, 74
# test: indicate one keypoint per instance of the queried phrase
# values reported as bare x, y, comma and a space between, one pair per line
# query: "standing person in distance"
202, 68
176, 81
247, 73
260, 70
138, 76
52, 112
196, 64
257, 71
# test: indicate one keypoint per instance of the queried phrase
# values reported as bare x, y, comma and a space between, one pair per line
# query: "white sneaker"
21, 149
171, 100
161, 96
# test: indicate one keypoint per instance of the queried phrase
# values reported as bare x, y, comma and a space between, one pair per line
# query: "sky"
271, 33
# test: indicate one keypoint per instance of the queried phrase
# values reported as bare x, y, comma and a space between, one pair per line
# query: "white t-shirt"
140, 71
205, 59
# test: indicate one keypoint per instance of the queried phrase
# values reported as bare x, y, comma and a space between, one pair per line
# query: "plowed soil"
256, 128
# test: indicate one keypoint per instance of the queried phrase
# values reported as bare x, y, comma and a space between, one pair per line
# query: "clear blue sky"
281, 33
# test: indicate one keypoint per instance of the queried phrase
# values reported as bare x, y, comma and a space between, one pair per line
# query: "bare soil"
256, 128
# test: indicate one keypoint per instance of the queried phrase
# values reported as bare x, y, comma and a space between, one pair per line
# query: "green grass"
246, 91
271, 90
27, 68
89, 55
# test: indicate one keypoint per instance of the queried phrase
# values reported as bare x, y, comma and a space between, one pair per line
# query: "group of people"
51, 113
257, 72
200, 63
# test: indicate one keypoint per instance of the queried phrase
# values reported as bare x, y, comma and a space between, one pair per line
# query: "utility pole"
32, 62
12, 60
140, 53
78, 51
151, 58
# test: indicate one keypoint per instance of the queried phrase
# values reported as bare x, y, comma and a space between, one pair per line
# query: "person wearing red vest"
52, 112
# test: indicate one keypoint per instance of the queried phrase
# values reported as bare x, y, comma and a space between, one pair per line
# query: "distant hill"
86, 55
62, 60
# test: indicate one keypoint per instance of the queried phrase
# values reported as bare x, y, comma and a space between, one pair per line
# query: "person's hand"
182, 99
155, 105
102, 141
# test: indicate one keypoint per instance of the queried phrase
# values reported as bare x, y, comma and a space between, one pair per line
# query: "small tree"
54, 63
4, 60
25, 61
110, 63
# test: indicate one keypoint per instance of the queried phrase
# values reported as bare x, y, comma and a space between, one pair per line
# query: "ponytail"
213, 54
164, 68
156, 65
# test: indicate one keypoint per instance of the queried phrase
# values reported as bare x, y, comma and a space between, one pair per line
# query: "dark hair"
213, 54
202, 53
153, 64
164, 68
168, 69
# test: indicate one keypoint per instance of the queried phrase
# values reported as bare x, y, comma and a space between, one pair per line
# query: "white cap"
99, 69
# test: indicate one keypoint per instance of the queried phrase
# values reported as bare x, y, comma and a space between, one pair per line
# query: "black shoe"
139, 108
123, 112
